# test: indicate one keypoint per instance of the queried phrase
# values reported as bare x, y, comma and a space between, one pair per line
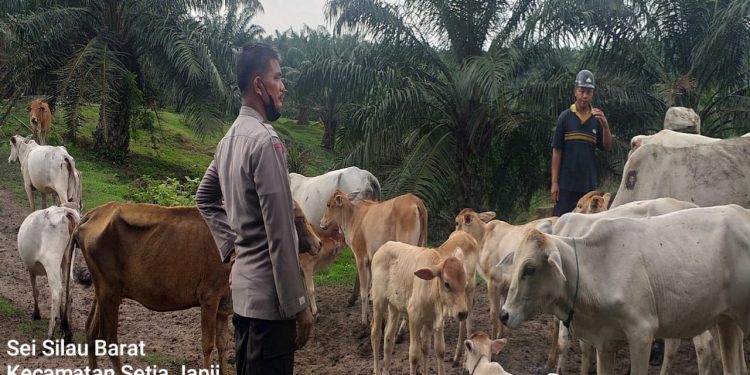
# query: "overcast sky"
283, 14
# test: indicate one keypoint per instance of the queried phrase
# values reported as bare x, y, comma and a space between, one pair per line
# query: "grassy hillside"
171, 150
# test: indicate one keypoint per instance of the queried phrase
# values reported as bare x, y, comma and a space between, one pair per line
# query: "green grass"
8, 310
309, 136
343, 271
162, 360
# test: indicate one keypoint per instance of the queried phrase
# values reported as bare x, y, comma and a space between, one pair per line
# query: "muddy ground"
172, 339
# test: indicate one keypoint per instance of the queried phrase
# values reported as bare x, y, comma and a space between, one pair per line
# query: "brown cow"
166, 259
40, 118
367, 225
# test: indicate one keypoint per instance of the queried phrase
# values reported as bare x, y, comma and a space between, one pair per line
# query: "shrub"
171, 192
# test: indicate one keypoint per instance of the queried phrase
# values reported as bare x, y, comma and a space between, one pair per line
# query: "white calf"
42, 240
415, 281
47, 169
479, 350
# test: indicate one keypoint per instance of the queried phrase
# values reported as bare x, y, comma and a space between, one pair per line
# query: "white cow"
495, 239
479, 350
42, 240
574, 225
671, 276
707, 174
669, 138
312, 193
47, 169
419, 283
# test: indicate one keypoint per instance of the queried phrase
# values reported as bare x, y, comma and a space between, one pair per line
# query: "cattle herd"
670, 259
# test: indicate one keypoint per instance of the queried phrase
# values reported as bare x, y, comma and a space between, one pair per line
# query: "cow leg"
464, 327
209, 313
639, 343
355, 291
390, 335
605, 359
363, 270
379, 306
93, 331
587, 355
222, 332
552, 355
729, 343
109, 309
35, 315
707, 352
563, 347
495, 307
671, 346
308, 269
55, 287
439, 339
30, 195
415, 344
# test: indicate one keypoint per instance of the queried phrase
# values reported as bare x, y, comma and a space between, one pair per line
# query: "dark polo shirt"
578, 139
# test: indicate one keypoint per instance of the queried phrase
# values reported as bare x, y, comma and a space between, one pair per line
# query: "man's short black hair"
254, 59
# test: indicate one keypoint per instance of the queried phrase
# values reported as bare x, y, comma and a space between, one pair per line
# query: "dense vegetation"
453, 100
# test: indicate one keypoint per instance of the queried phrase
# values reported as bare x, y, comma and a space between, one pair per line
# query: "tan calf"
367, 225
332, 246
593, 202
495, 240
479, 351
418, 282
470, 248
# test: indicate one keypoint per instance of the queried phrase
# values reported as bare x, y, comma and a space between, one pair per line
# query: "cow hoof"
352, 301
36, 316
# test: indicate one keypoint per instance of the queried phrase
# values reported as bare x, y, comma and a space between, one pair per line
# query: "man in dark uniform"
580, 130
246, 202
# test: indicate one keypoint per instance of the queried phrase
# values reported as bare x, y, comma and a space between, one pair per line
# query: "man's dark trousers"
264, 347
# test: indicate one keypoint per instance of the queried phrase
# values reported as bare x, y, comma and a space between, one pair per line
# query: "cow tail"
422, 211
72, 183
67, 263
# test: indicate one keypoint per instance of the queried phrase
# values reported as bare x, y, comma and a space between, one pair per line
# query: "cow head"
537, 278
37, 110
473, 223
593, 202
478, 345
450, 278
338, 207
309, 242
14, 144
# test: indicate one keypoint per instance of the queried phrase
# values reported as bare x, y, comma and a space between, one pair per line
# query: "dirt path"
172, 339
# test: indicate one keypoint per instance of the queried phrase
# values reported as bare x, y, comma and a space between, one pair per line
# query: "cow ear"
13, 140
467, 219
338, 200
426, 273
28, 108
459, 253
596, 203
353, 195
498, 345
507, 260
606, 197
487, 216
469, 345
545, 226
554, 259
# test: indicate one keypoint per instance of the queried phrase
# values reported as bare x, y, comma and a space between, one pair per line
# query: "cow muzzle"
504, 317
463, 315
34, 120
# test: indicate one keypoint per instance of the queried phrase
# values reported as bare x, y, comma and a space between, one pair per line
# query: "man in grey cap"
246, 202
581, 129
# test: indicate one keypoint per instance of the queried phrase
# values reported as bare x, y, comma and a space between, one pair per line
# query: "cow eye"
528, 271
447, 286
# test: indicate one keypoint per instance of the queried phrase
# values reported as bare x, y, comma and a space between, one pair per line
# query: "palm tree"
110, 52
433, 123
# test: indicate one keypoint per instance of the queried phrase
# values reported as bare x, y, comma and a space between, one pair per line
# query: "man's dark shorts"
566, 202
264, 347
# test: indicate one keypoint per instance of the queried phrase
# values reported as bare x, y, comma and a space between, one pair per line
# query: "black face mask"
272, 113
